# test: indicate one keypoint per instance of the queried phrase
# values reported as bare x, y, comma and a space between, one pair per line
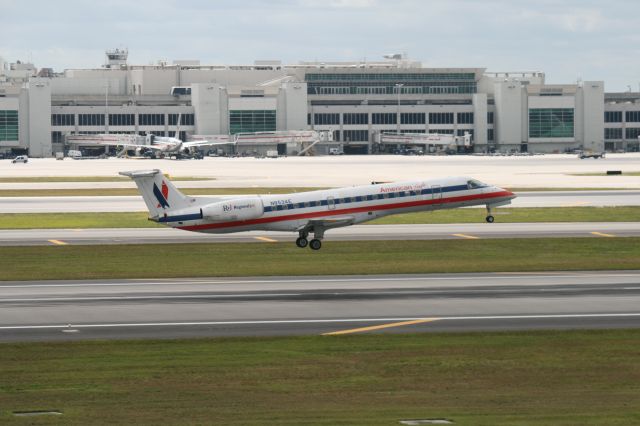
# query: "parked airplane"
160, 145
309, 212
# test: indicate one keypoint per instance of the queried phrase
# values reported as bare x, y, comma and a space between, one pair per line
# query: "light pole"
398, 88
106, 107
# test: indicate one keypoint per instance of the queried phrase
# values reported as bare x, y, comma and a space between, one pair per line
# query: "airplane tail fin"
159, 194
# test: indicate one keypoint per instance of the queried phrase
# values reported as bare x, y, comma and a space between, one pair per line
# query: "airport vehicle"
589, 154
20, 159
309, 212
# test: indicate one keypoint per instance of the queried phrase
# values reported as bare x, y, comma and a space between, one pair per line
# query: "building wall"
593, 113
509, 102
362, 89
39, 136
205, 98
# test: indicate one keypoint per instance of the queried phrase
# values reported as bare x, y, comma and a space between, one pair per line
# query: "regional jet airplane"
309, 212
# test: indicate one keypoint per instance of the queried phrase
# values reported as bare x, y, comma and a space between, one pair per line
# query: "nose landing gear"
489, 217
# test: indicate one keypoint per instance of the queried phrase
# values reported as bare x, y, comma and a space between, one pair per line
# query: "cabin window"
475, 184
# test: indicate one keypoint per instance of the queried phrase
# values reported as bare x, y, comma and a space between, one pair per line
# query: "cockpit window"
475, 184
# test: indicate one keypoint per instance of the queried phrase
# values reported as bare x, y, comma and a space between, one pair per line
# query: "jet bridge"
287, 142
431, 142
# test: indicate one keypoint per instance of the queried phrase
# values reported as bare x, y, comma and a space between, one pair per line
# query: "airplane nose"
510, 194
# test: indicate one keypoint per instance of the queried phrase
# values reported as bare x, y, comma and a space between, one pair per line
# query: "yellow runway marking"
380, 327
602, 234
468, 237
269, 240
58, 242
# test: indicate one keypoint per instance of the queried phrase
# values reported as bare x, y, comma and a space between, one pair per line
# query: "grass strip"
47, 179
508, 378
335, 258
519, 215
512, 215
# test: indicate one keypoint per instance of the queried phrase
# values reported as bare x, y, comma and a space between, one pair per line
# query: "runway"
135, 203
172, 308
30, 237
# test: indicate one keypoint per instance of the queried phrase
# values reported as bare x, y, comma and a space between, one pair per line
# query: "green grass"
139, 219
76, 220
47, 179
520, 215
335, 258
493, 379
105, 192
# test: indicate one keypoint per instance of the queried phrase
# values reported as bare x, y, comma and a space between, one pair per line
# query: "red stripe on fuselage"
338, 212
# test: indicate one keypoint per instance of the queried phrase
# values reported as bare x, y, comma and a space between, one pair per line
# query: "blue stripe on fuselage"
181, 218
364, 198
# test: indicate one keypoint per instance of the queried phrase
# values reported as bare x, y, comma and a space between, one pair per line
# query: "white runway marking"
322, 321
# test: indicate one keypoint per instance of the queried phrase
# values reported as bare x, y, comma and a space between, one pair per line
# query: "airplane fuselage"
342, 206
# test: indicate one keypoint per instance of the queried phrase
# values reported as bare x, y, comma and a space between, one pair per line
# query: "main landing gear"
315, 243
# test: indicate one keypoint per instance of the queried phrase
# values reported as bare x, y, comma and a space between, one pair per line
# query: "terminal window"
632, 116
121, 119
384, 118
613, 116
465, 118
8, 125
326, 119
62, 119
631, 133
90, 119
355, 136
185, 119
612, 133
413, 118
241, 121
355, 118
551, 122
151, 119
440, 118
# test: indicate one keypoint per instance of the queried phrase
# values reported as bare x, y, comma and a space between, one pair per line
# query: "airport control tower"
116, 58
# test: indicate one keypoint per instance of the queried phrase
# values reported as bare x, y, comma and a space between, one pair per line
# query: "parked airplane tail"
159, 194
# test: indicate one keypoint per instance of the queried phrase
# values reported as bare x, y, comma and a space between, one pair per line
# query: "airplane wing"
108, 140
192, 144
328, 223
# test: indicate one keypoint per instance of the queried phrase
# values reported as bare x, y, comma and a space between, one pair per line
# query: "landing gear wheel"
315, 244
302, 242
490, 219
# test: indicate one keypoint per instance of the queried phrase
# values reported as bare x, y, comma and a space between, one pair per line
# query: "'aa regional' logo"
161, 196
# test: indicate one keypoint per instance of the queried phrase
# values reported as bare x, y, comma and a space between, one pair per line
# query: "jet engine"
232, 210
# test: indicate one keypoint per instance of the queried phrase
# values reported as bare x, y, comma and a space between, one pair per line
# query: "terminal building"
357, 101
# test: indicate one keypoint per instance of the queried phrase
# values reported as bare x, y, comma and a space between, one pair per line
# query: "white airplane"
309, 212
162, 145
